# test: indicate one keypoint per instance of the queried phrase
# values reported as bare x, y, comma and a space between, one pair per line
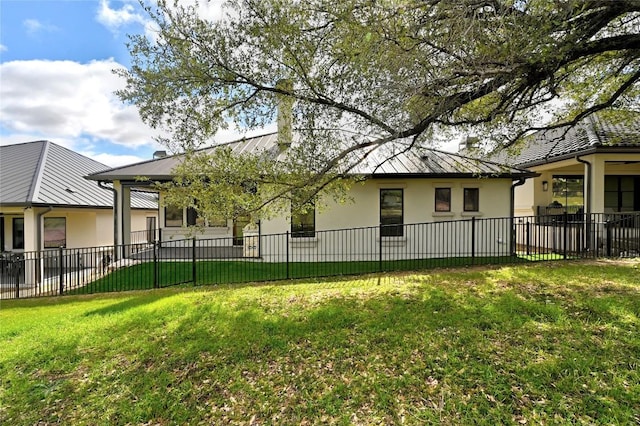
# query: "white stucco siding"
104, 228
451, 235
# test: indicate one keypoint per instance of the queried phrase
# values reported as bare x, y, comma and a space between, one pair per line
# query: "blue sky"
56, 80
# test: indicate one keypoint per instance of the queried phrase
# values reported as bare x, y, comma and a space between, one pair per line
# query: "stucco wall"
448, 234
84, 227
419, 203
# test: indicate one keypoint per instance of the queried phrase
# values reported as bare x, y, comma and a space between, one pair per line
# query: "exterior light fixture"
545, 185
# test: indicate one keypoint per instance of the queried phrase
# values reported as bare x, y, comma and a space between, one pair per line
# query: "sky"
56, 79
57, 82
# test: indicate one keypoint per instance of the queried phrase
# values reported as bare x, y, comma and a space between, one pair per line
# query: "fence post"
287, 252
15, 274
607, 226
193, 260
528, 232
78, 268
566, 234
61, 270
380, 248
473, 240
155, 264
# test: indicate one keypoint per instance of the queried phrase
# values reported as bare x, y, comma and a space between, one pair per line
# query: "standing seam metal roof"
43, 173
387, 160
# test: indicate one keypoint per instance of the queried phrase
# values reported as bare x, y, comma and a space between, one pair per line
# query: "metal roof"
43, 173
594, 134
389, 160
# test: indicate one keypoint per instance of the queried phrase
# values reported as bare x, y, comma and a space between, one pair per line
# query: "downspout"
39, 241
512, 210
115, 217
587, 207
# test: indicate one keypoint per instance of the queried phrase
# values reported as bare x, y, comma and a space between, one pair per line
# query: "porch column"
122, 214
596, 197
31, 231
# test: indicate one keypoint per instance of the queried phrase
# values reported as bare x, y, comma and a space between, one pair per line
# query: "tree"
366, 73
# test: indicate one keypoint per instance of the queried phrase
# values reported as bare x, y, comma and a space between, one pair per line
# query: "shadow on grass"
384, 345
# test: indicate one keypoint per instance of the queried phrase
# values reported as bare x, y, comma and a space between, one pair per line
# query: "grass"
168, 273
553, 343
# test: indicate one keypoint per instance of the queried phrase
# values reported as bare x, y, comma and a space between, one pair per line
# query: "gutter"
512, 208
587, 207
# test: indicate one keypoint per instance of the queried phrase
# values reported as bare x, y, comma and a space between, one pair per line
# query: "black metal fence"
154, 262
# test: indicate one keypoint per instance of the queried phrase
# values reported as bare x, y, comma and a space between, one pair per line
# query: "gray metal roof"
594, 134
160, 169
388, 160
43, 173
396, 160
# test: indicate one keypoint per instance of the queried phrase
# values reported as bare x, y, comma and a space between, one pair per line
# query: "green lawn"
168, 273
544, 343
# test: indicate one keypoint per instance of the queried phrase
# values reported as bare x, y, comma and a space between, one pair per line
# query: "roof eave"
591, 150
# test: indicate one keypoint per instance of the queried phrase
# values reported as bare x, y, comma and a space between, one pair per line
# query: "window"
391, 213
303, 224
172, 216
18, 233
443, 199
55, 232
471, 199
568, 190
622, 193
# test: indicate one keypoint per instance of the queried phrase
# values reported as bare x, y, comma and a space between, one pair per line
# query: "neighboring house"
46, 203
593, 167
421, 185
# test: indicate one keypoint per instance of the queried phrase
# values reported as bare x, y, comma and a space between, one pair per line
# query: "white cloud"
68, 100
3, 48
112, 160
33, 26
116, 18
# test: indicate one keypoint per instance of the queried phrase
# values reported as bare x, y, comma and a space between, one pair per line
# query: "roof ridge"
151, 160
36, 182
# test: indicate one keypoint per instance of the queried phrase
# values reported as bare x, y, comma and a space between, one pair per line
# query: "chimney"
468, 144
159, 154
285, 113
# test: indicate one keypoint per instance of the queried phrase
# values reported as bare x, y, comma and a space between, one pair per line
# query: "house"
399, 188
593, 167
46, 203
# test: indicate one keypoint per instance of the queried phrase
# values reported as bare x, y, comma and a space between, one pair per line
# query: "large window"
471, 199
391, 212
443, 199
55, 232
172, 216
622, 193
303, 224
18, 233
568, 190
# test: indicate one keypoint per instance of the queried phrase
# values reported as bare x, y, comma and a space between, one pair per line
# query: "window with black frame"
172, 216
471, 200
303, 223
18, 233
391, 212
443, 200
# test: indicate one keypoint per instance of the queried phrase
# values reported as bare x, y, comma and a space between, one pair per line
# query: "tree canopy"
365, 73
